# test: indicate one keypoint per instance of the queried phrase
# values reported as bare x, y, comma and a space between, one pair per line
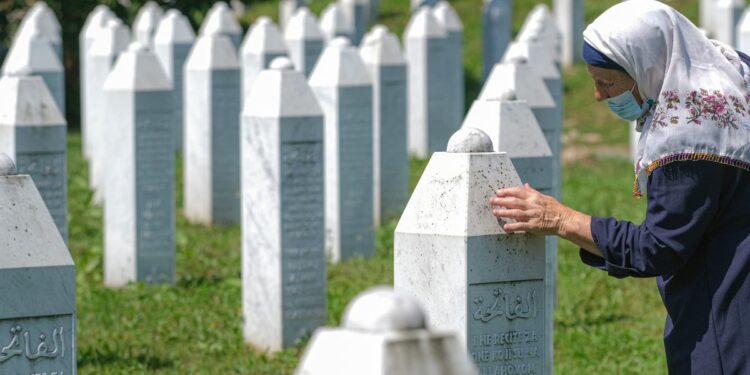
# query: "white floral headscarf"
700, 86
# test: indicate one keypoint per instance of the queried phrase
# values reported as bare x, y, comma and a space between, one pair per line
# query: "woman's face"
609, 83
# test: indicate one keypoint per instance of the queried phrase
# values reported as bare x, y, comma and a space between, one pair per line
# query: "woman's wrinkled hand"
533, 211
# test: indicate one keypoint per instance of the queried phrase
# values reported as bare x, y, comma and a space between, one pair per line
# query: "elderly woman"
691, 101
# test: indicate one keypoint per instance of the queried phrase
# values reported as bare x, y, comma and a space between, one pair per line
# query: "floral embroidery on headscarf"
701, 105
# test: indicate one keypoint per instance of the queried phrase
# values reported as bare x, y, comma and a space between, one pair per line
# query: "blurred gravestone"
496, 30
212, 147
221, 20
304, 39
283, 266
384, 60
569, 15
343, 88
287, 8
172, 43
334, 23
32, 133
139, 219
37, 276
41, 17
95, 23
727, 17
743, 32
146, 22
357, 13
262, 44
447, 17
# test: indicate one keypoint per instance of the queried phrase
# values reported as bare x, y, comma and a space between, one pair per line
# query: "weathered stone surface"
381, 53
32, 133
727, 16
469, 139
37, 276
497, 16
343, 88
283, 245
212, 147
172, 43
335, 23
426, 45
304, 40
262, 44
384, 333
146, 21
287, 9
357, 13
139, 219
447, 17
221, 20
95, 23
569, 15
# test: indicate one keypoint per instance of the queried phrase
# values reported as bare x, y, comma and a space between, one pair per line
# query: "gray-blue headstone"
382, 55
447, 17
146, 22
220, 19
570, 18
335, 23
344, 89
496, 30
357, 13
139, 217
304, 40
283, 200
262, 44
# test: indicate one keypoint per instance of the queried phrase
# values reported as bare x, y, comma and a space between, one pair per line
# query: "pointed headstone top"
380, 309
32, 52
380, 47
221, 20
148, 17
447, 16
41, 13
137, 69
96, 21
469, 140
535, 53
213, 51
423, 24
281, 92
340, 65
7, 166
333, 20
522, 78
303, 26
26, 101
113, 39
174, 28
264, 37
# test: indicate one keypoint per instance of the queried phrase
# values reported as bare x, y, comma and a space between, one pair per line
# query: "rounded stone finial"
469, 140
508, 94
281, 63
7, 166
381, 309
136, 47
341, 42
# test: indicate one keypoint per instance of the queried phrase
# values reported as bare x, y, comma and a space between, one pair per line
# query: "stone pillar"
221, 20
32, 133
569, 14
104, 52
334, 23
447, 17
706, 13
262, 44
743, 32
511, 126
305, 40
378, 329
381, 53
426, 45
39, 280
172, 43
497, 19
727, 16
42, 17
139, 219
343, 88
541, 31
287, 8
357, 12
539, 57
212, 116
146, 21
374, 10
94, 25
452, 254
283, 245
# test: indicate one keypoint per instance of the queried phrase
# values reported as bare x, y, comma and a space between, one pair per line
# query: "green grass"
603, 325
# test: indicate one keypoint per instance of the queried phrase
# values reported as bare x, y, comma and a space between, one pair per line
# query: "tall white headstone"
381, 53
706, 13
727, 16
95, 23
452, 254
283, 245
221, 20
497, 19
38, 313
146, 21
569, 14
172, 43
104, 51
212, 127
426, 45
41, 16
32, 133
335, 23
139, 218
357, 13
304, 39
262, 44
447, 17
743, 32
343, 88
540, 58
287, 8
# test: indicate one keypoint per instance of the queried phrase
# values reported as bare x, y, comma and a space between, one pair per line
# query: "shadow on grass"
106, 358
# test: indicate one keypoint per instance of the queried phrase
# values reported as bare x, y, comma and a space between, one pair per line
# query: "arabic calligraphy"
21, 345
507, 305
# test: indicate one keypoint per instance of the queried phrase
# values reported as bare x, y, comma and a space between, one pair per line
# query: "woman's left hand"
533, 211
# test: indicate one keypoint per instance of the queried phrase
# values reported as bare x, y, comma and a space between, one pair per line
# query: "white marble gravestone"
33, 53
743, 32
452, 254
384, 333
95, 23
287, 8
139, 219
283, 245
569, 15
262, 44
426, 45
343, 88
447, 17
104, 51
706, 13
727, 16
212, 126
541, 58
38, 280
381, 53
41, 16
335, 23
221, 20
172, 43
146, 22
357, 13
32, 133
304, 39
496, 31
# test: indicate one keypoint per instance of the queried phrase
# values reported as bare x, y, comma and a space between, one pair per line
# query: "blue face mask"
626, 106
